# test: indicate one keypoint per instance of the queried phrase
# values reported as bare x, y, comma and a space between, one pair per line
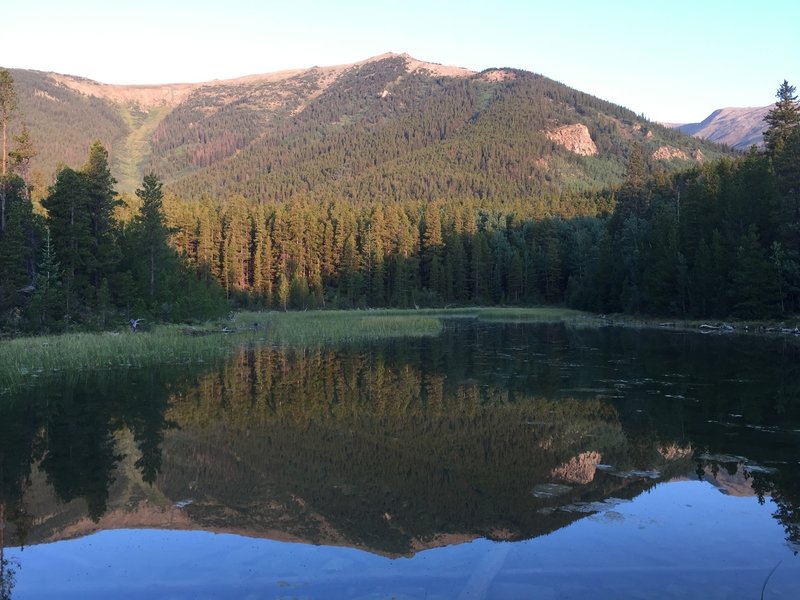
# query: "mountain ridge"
172, 93
390, 126
736, 127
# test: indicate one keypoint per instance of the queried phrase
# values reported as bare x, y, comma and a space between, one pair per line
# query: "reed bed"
314, 327
23, 359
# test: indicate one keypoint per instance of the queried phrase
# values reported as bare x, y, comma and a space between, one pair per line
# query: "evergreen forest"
714, 239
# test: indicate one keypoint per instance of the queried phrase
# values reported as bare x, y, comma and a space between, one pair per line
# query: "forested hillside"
382, 131
402, 224
63, 122
719, 239
387, 128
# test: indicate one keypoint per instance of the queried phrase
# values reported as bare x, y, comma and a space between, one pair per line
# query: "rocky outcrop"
495, 75
698, 155
574, 138
669, 153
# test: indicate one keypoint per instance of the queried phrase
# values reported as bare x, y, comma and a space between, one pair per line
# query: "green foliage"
48, 300
149, 258
94, 271
432, 194
8, 105
18, 248
715, 241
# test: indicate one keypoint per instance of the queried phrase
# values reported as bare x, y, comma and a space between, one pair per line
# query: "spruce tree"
781, 119
70, 228
47, 301
101, 201
21, 155
8, 104
151, 232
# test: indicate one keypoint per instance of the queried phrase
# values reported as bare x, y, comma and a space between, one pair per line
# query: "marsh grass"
24, 359
315, 327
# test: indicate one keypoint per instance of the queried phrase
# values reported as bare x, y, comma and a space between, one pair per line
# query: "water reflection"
504, 432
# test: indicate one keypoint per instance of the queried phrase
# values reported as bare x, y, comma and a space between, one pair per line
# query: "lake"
497, 460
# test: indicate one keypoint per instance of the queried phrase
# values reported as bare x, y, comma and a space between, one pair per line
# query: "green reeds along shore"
23, 359
315, 327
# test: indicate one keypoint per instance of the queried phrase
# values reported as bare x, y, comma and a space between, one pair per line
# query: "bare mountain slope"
738, 128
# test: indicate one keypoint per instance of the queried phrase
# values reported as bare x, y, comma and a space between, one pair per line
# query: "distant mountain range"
389, 127
738, 128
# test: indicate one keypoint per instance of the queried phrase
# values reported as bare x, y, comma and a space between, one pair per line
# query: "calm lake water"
494, 461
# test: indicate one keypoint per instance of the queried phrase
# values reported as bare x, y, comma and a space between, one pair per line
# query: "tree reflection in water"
497, 431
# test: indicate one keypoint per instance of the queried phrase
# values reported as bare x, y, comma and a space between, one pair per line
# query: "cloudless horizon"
672, 62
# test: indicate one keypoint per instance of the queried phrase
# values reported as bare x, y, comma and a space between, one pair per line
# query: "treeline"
718, 240
311, 254
80, 264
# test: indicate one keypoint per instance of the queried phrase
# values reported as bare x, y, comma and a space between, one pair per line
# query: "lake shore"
26, 358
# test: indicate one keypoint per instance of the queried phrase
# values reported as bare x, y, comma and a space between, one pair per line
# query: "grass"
134, 149
23, 359
315, 327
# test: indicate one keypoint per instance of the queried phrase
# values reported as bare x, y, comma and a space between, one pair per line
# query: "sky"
672, 61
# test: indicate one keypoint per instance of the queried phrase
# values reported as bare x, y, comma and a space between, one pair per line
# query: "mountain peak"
414, 64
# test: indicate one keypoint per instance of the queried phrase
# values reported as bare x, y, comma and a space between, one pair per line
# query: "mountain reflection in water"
503, 432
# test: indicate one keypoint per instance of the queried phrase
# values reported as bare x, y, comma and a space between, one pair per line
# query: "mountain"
738, 128
388, 127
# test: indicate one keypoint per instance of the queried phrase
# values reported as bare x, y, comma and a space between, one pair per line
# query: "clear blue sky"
673, 60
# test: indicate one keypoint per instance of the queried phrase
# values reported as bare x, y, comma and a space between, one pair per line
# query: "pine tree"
15, 251
8, 104
101, 201
782, 119
754, 292
70, 228
47, 300
151, 232
21, 156
283, 291
431, 246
